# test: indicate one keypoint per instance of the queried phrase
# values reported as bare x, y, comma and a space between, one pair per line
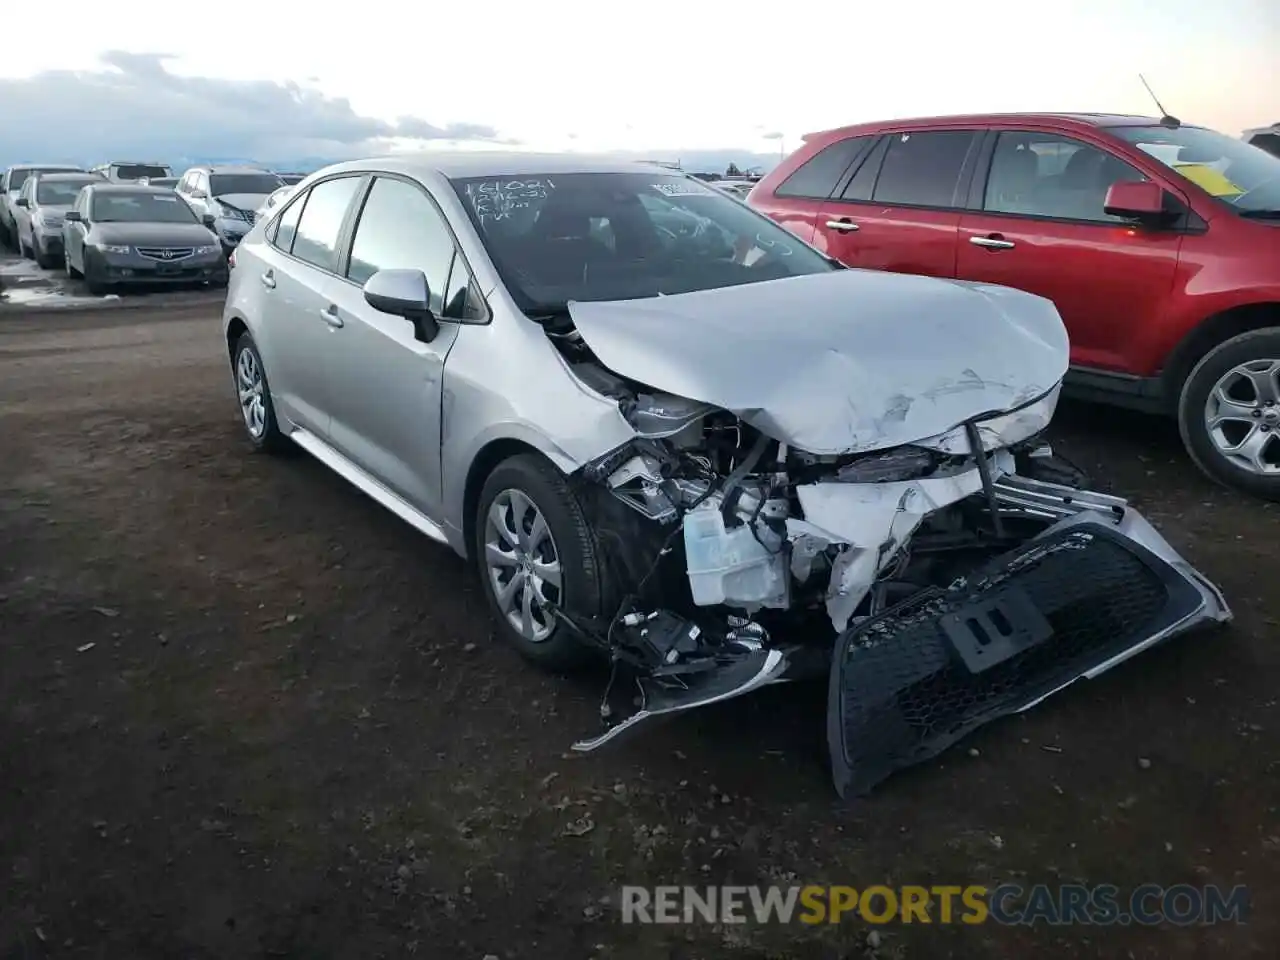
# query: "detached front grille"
165, 254
912, 681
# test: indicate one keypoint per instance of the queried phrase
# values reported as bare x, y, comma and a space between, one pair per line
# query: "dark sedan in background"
125, 233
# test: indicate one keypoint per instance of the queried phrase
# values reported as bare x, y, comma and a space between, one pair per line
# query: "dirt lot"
244, 712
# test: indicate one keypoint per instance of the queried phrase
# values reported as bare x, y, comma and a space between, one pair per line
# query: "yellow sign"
1213, 182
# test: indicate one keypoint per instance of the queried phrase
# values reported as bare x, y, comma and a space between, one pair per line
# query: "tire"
91, 281
1255, 347
575, 549
44, 261
72, 272
267, 439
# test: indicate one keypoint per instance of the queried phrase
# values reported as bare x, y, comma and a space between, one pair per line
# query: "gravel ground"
245, 712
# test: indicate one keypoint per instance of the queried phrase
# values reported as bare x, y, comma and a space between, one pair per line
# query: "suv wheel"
536, 552
254, 397
1229, 413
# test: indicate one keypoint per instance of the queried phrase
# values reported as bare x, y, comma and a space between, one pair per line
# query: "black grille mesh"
901, 694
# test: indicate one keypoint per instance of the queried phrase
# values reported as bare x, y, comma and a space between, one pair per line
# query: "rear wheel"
254, 396
1229, 413
536, 554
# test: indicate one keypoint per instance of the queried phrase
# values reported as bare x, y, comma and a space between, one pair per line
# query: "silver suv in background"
230, 195
11, 185
132, 171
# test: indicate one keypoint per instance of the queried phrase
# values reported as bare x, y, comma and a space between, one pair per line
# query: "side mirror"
1141, 200
73, 216
23, 202
209, 220
404, 293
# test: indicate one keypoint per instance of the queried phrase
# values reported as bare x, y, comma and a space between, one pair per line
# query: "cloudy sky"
273, 82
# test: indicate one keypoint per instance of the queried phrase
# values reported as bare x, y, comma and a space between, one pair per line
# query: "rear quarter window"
817, 177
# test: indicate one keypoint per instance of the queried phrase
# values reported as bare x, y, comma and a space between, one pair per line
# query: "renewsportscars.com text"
1008, 904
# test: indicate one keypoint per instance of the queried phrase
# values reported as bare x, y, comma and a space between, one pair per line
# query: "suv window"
1043, 175
321, 222
401, 228
817, 177
923, 169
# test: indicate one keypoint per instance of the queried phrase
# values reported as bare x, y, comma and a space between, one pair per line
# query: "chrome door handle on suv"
330, 316
993, 242
269, 280
844, 225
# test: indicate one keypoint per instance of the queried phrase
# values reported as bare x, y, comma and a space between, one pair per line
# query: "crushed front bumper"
1095, 588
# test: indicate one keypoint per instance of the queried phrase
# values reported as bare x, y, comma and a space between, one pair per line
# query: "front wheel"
72, 272
1229, 413
44, 259
537, 555
93, 276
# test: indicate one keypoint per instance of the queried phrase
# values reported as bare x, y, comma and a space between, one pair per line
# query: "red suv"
1158, 242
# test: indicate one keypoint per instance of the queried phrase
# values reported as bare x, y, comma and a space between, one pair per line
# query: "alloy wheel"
523, 564
249, 384
1242, 416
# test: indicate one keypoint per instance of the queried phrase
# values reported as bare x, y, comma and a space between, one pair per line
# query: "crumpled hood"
248, 202
839, 362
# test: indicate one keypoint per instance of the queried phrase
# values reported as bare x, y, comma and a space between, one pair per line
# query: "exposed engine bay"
938, 584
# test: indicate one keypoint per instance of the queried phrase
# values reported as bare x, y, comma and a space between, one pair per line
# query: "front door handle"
993, 242
330, 316
269, 280
844, 226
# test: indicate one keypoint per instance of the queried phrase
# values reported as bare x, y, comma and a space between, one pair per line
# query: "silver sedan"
713, 457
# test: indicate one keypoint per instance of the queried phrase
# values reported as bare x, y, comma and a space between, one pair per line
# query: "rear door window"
923, 169
320, 226
817, 177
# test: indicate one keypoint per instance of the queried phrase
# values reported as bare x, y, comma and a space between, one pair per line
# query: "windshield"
621, 236
222, 184
136, 171
59, 193
1231, 170
18, 177
140, 208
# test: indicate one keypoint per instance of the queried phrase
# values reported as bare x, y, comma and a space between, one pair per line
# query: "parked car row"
126, 222
1158, 242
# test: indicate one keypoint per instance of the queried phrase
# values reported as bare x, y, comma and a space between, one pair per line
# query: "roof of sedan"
498, 163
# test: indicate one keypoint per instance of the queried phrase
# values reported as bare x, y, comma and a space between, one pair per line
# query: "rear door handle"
844, 226
269, 280
994, 242
330, 316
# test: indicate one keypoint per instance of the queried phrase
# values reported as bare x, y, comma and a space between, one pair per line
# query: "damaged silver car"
675, 438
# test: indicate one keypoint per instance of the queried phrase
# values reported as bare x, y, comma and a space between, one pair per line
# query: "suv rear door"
797, 202
1037, 223
899, 208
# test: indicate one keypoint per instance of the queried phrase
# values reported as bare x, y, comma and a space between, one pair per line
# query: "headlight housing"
50, 220
112, 247
210, 248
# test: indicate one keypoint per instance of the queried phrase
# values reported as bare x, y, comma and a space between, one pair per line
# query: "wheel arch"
235, 329
1209, 333
484, 463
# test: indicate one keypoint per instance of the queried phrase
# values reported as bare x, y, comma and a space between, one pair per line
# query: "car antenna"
1166, 120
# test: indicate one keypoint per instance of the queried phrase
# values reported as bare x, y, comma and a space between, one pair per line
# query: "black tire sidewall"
272, 440
1255, 345
576, 547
